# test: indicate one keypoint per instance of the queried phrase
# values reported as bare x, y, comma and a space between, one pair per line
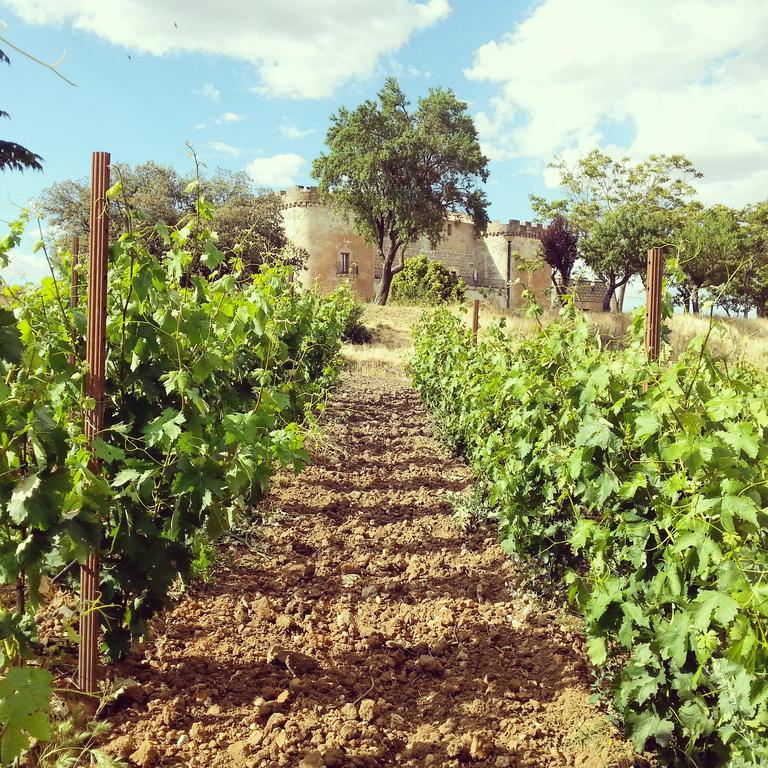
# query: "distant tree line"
612, 211
247, 219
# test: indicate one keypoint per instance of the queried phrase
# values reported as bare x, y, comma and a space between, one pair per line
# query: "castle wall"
481, 262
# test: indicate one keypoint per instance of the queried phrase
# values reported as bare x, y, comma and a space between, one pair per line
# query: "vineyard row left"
211, 375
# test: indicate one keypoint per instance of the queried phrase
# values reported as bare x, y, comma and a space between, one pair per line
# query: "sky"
252, 85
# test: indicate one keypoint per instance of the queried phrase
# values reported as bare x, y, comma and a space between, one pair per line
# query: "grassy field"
385, 355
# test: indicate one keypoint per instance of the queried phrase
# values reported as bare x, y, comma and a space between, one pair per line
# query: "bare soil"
364, 629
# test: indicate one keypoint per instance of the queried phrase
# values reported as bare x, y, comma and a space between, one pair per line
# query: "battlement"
299, 196
515, 228
306, 196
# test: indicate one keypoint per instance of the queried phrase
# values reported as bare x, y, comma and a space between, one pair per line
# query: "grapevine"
643, 486
209, 379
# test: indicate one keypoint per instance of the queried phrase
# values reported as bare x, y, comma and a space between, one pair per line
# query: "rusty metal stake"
653, 303
73, 296
475, 320
94, 419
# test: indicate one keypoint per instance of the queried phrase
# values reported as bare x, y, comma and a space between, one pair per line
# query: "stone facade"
492, 266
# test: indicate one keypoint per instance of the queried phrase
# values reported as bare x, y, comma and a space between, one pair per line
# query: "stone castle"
496, 266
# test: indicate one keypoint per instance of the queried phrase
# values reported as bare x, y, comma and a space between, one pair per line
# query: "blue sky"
252, 83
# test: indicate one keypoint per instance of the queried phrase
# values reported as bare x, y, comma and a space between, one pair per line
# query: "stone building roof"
589, 291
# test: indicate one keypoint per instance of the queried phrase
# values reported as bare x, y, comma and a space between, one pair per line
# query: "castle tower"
336, 252
513, 252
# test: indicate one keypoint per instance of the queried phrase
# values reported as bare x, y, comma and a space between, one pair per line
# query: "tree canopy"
400, 173
247, 220
560, 250
710, 254
620, 209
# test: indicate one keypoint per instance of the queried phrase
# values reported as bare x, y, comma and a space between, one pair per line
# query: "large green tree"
620, 209
247, 220
755, 241
710, 254
398, 173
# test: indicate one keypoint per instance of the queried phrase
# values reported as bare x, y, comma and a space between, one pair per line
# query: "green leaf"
647, 424
106, 452
25, 695
742, 507
10, 338
22, 494
673, 638
166, 428
709, 603
596, 650
114, 191
594, 432
742, 437
648, 725
125, 476
212, 256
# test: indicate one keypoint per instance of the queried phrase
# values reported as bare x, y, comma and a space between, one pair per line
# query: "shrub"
424, 281
354, 331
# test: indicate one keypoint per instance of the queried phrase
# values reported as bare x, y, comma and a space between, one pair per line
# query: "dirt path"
364, 629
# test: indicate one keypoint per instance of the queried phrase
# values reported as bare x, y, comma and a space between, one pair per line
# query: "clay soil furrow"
361, 628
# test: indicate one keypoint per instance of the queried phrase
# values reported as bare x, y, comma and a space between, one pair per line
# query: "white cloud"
229, 117
290, 130
689, 76
299, 51
210, 91
222, 148
408, 70
199, 126
276, 171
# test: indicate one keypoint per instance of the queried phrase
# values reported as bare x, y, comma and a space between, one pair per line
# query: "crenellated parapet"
514, 228
299, 197
517, 228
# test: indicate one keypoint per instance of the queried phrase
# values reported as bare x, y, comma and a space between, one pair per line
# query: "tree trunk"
685, 297
608, 298
388, 271
558, 295
620, 293
695, 301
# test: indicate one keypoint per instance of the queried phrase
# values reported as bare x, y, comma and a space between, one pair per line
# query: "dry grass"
391, 346
735, 339
388, 352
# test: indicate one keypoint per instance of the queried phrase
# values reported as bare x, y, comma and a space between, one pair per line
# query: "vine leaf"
25, 694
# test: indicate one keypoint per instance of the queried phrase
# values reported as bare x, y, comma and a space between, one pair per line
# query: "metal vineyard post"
653, 303
94, 417
73, 295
